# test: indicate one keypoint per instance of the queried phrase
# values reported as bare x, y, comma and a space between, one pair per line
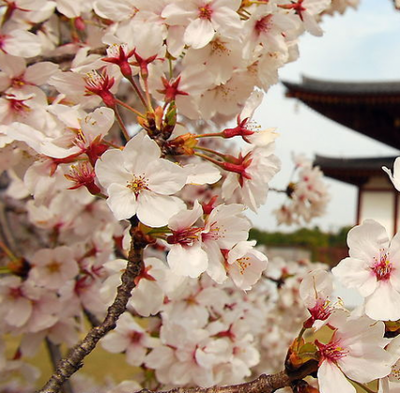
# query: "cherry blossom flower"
252, 175
316, 291
356, 351
224, 227
373, 269
131, 338
186, 257
20, 43
139, 182
16, 75
245, 264
17, 298
307, 11
51, 268
203, 18
265, 26
247, 129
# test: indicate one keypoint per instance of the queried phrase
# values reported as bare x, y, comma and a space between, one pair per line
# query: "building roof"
355, 171
371, 108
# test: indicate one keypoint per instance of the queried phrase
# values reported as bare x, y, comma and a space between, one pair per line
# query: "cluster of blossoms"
308, 195
89, 173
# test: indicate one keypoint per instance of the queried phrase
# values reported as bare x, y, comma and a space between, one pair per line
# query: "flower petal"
332, 380
165, 177
155, 210
109, 169
122, 201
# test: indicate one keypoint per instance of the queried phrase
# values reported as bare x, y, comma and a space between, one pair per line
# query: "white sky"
362, 45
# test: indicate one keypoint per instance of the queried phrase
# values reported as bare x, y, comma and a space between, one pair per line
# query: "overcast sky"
362, 45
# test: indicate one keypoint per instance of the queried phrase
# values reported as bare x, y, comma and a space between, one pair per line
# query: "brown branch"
73, 362
263, 384
55, 357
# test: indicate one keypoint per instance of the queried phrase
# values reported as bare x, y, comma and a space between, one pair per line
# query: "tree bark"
73, 362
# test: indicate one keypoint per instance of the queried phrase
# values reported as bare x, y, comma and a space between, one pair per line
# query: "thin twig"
73, 361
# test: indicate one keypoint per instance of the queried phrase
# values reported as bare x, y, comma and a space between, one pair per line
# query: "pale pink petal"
109, 169
203, 173
227, 22
365, 241
70, 9
22, 43
122, 201
179, 13
355, 273
187, 261
165, 177
40, 73
332, 380
19, 313
139, 152
12, 65
199, 33
186, 218
155, 210
384, 303
372, 364
115, 343
135, 355
144, 304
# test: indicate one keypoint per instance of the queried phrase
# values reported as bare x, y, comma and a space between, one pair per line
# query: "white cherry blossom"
139, 182
203, 18
373, 268
245, 264
355, 351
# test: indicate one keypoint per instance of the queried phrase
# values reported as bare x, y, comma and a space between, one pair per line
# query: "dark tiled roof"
371, 108
342, 87
353, 170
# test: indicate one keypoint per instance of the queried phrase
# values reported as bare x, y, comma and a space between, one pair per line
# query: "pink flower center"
382, 268
17, 106
264, 24
15, 293
18, 82
138, 184
205, 12
322, 310
135, 337
185, 237
100, 84
331, 351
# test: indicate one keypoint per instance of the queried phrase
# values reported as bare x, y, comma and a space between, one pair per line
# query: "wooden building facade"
373, 109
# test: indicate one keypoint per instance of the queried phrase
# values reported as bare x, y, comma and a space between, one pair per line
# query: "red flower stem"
137, 91
121, 124
211, 134
148, 96
210, 151
208, 158
126, 106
